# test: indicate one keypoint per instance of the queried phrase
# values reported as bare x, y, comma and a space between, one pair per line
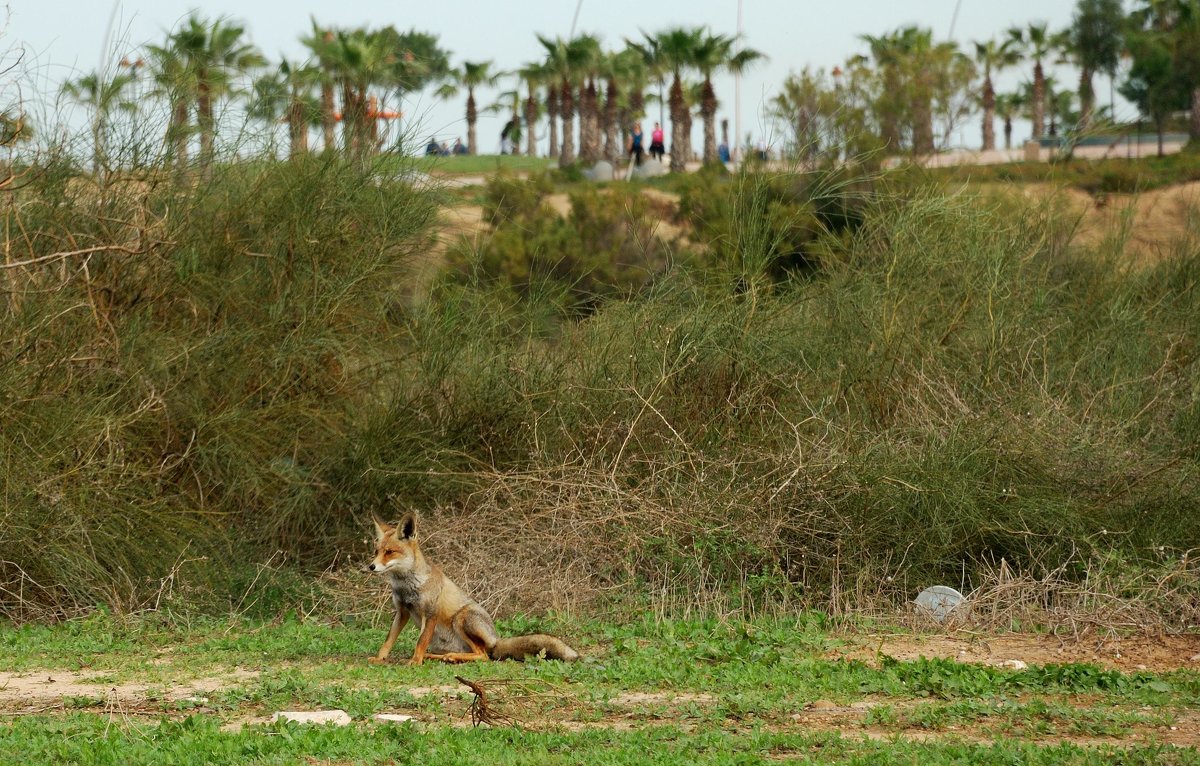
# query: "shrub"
178, 384
603, 248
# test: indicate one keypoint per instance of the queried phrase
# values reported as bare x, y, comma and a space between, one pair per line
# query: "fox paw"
378, 660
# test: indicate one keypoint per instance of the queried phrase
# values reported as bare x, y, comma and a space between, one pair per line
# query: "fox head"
395, 545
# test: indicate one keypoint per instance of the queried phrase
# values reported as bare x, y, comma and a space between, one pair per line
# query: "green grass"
645, 693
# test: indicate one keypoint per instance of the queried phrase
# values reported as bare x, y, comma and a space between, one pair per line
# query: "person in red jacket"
657, 149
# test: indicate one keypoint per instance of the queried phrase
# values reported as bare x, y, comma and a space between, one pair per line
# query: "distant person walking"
657, 148
635, 142
507, 145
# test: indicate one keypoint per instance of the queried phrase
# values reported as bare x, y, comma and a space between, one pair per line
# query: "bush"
755, 224
178, 385
604, 247
959, 387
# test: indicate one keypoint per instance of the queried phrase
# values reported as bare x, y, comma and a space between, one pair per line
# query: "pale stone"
336, 717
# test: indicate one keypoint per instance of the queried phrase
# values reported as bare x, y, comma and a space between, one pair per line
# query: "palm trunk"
205, 122
989, 114
1008, 132
567, 109
371, 127
589, 123
297, 129
679, 116
1039, 100
923, 117
531, 115
612, 141
472, 118
1160, 127
708, 113
889, 125
178, 133
552, 117
1194, 122
97, 146
354, 117
1087, 98
328, 123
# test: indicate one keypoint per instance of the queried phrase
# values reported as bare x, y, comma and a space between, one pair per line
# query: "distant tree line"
906, 92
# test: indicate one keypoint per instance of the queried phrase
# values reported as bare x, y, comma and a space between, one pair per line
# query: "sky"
57, 40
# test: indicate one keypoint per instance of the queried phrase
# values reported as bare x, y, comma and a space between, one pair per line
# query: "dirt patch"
1151, 224
559, 203
660, 698
44, 688
1128, 654
1184, 732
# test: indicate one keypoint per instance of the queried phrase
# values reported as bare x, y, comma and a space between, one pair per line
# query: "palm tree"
589, 59
215, 54
610, 70
564, 60
674, 51
992, 56
1186, 62
919, 61
362, 60
470, 76
534, 75
175, 81
887, 50
268, 103
322, 42
1096, 37
633, 70
654, 67
712, 54
101, 94
1059, 103
1008, 106
286, 95
1036, 43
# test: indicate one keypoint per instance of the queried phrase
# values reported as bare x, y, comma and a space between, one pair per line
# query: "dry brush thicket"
193, 378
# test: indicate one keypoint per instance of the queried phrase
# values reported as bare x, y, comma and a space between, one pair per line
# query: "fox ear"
381, 526
407, 526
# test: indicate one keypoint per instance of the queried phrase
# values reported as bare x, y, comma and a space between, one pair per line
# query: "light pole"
837, 92
135, 67
737, 92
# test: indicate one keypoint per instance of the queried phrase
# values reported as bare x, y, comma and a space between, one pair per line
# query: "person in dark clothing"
635, 142
507, 145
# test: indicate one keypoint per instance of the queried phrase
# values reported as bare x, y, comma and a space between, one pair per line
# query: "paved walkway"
1131, 150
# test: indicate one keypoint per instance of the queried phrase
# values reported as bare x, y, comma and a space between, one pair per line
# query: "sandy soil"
1153, 223
1128, 654
50, 688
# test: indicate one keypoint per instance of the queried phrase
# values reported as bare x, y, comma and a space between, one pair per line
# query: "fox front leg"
423, 640
398, 623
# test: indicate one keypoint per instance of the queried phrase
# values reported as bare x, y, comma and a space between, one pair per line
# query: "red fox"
454, 628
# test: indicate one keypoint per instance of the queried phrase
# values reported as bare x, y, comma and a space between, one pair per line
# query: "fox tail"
520, 647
